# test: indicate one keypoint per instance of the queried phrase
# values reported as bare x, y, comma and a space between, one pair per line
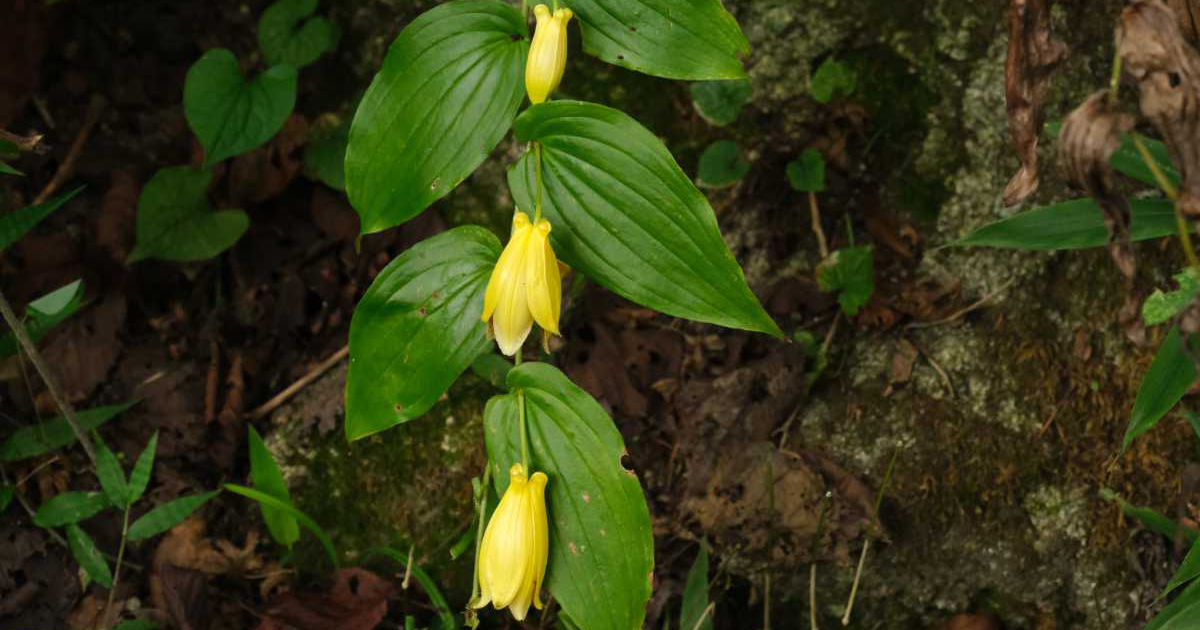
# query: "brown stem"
67, 168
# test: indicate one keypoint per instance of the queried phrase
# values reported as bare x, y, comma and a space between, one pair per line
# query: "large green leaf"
676, 39
175, 221
446, 95
601, 546
14, 225
417, 328
624, 213
88, 556
285, 36
1075, 224
1181, 614
268, 478
168, 515
40, 439
1170, 376
44, 313
70, 507
229, 114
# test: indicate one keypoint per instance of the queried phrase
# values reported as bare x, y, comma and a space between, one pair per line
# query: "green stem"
524, 430
537, 174
1185, 234
112, 592
482, 504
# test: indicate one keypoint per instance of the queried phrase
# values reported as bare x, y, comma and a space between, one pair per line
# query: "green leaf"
88, 556
267, 478
833, 77
1181, 614
16, 224
168, 515
625, 215
325, 154
446, 618
492, 368
1128, 160
229, 114
1153, 521
601, 546
285, 36
850, 272
446, 95
33, 441
70, 507
807, 172
44, 313
1074, 224
175, 221
720, 102
721, 165
675, 39
417, 328
139, 478
112, 478
695, 595
309, 524
1170, 376
6, 496
1188, 570
1160, 307
8, 170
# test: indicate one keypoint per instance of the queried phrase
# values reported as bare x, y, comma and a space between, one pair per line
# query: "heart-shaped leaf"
625, 214
175, 221
720, 102
601, 546
446, 95
285, 36
721, 165
229, 114
676, 39
417, 328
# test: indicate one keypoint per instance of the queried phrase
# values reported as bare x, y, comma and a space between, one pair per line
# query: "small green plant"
721, 165
720, 102
831, 79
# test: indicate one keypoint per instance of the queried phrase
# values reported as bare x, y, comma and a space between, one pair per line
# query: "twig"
812, 595
408, 569
862, 559
707, 611
959, 313
266, 408
822, 245
31, 143
67, 168
35, 357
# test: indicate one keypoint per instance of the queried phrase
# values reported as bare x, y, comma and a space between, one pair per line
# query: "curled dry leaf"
1033, 53
1187, 12
357, 600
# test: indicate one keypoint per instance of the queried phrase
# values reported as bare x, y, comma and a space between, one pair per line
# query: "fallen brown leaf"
357, 600
1033, 53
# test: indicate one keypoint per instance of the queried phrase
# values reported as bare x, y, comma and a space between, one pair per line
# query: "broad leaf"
720, 102
168, 515
1188, 570
112, 477
285, 36
851, 273
721, 165
624, 214
601, 546
70, 507
1075, 224
831, 79
676, 39
807, 172
84, 550
325, 154
175, 221
1161, 306
229, 114
267, 478
309, 524
446, 95
14, 225
417, 328
1181, 614
695, 595
55, 433
44, 313
139, 479
1170, 376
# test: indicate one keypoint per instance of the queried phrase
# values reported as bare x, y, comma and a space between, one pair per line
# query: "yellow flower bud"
525, 286
516, 544
547, 54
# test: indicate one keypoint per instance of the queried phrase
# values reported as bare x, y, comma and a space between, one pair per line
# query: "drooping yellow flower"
525, 287
547, 53
516, 544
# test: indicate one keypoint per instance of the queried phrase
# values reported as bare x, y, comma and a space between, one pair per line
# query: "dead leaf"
83, 349
185, 595
1188, 14
1033, 53
265, 172
902, 362
90, 614
333, 214
117, 221
969, 622
357, 600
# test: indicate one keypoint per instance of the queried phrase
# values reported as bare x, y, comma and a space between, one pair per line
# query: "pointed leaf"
139, 479
624, 214
695, 595
9, 170
229, 114
676, 39
1170, 376
1188, 570
601, 546
302, 518
267, 478
112, 478
175, 221
6, 496
168, 515
55, 433
1181, 614
447, 93
14, 225
417, 328
285, 36
1075, 224
88, 556
70, 507
44, 313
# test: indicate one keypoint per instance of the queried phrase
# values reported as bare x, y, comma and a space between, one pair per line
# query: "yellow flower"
525, 287
547, 54
512, 557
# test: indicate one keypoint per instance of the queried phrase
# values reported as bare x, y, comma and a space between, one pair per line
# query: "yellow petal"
541, 550
542, 279
547, 54
511, 321
503, 551
504, 265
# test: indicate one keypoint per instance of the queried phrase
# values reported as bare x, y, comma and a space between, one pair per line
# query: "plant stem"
524, 430
815, 214
482, 503
1185, 234
537, 174
112, 592
812, 596
1114, 83
68, 411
